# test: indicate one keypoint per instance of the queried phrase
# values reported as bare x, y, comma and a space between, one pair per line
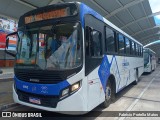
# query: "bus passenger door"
92, 61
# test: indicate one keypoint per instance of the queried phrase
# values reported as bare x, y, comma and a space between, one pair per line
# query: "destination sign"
47, 15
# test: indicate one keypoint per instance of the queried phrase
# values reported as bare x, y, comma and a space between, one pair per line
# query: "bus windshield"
146, 58
50, 47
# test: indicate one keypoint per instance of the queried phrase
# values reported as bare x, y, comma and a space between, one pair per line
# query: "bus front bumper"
73, 104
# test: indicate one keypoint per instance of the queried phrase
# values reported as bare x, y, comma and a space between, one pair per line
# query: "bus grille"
46, 101
39, 77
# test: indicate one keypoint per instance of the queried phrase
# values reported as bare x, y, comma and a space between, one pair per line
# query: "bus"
70, 58
149, 60
158, 61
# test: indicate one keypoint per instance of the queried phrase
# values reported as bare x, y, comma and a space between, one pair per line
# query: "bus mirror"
11, 39
7, 41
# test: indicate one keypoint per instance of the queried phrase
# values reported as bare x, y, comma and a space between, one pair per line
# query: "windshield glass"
50, 47
146, 58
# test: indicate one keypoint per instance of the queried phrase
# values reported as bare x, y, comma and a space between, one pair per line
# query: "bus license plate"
34, 100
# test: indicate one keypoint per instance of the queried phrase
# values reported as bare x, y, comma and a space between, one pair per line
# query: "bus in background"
158, 61
149, 60
70, 58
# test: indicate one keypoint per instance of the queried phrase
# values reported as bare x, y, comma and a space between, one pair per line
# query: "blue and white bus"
149, 60
70, 58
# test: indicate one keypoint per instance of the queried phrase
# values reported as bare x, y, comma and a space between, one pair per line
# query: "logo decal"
34, 88
25, 87
44, 89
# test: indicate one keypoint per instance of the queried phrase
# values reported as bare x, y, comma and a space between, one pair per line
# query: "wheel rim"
108, 93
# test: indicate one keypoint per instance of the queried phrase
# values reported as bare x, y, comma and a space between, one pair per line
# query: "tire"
109, 95
136, 81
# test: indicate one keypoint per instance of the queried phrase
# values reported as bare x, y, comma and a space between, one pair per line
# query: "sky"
155, 6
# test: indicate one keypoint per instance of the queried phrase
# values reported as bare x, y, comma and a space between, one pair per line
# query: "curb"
6, 79
3, 107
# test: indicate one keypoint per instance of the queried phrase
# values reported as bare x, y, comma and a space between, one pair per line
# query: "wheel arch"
112, 80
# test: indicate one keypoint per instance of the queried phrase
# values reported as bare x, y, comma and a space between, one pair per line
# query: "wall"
7, 26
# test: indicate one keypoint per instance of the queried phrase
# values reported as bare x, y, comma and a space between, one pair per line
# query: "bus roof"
88, 10
149, 50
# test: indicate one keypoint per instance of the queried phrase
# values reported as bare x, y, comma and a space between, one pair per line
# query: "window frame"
128, 53
119, 44
101, 47
90, 42
115, 40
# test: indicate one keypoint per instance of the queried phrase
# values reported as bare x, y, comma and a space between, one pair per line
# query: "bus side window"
96, 45
121, 47
93, 43
127, 46
133, 48
88, 39
110, 40
135, 51
139, 48
137, 54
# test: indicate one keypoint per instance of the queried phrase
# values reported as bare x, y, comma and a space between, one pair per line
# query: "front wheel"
108, 95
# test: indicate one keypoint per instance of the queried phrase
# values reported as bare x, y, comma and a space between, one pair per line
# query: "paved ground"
7, 69
7, 73
6, 92
6, 80
142, 97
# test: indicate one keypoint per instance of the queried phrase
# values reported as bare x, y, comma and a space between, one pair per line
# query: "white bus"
70, 58
149, 60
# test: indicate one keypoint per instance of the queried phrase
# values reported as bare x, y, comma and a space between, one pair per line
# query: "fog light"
65, 92
75, 87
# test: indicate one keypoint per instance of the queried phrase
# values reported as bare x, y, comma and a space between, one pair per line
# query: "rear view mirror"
7, 41
10, 47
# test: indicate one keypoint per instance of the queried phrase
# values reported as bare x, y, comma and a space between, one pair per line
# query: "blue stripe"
84, 9
43, 89
104, 71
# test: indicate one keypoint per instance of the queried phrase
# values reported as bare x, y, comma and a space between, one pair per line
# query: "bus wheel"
108, 95
136, 81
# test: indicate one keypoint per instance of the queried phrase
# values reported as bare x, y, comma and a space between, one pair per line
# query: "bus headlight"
71, 89
75, 87
65, 92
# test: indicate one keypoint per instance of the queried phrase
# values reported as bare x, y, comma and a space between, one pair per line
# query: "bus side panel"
135, 63
95, 90
124, 70
116, 70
